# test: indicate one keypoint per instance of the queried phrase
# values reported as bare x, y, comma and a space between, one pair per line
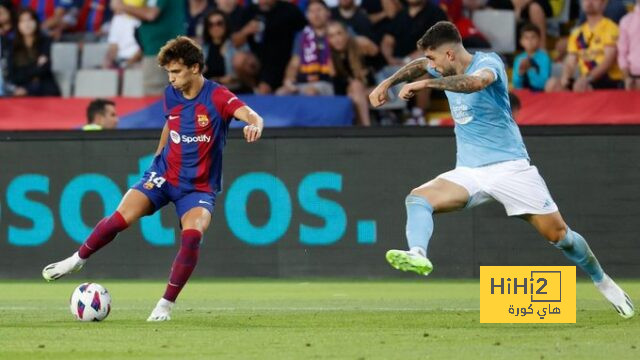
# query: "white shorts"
515, 184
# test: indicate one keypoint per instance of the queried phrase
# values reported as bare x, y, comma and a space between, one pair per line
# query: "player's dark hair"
181, 49
529, 27
442, 32
97, 106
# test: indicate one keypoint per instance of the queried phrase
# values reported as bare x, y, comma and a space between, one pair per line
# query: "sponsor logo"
203, 202
148, 185
200, 138
175, 137
203, 120
230, 100
173, 117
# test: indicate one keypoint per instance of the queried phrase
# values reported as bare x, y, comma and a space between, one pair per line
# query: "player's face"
180, 75
110, 117
441, 59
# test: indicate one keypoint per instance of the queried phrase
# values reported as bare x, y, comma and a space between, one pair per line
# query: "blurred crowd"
315, 47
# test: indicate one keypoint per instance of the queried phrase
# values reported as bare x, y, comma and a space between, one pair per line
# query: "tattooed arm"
407, 73
456, 83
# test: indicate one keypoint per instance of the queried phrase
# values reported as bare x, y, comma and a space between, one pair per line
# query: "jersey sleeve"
492, 64
226, 102
433, 72
572, 46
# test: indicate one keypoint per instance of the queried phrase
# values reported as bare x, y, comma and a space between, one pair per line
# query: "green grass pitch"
303, 319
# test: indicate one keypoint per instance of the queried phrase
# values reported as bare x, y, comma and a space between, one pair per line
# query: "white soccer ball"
90, 302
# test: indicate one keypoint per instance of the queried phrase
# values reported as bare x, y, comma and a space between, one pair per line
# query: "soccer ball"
90, 302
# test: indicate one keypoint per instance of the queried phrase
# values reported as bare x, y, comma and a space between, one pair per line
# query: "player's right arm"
407, 73
163, 138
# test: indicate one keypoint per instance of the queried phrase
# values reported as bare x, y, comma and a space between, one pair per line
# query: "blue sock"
575, 247
419, 222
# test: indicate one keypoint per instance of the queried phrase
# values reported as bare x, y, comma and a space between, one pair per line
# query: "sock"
575, 247
419, 223
184, 263
105, 231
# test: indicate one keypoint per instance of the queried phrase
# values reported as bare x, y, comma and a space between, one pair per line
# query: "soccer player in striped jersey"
187, 169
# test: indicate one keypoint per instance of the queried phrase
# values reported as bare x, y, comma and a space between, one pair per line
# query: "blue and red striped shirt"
192, 158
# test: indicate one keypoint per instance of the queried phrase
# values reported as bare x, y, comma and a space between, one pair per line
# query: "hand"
379, 95
42, 60
582, 84
409, 90
564, 83
20, 91
525, 64
252, 133
252, 27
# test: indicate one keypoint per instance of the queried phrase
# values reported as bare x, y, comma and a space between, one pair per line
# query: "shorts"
515, 184
160, 192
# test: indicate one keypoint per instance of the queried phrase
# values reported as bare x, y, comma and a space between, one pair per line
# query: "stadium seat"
64, 57
64, 64
132, 83
93, 55
96, 83
65, 82
499, 26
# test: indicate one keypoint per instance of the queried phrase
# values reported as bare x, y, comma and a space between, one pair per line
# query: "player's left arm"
253, 131
466, 83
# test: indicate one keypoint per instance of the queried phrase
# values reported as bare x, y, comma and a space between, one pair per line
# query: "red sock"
102, 234
184, 263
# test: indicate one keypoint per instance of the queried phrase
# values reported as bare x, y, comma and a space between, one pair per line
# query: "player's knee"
556, 234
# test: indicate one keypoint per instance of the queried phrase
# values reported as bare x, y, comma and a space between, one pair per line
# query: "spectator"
528, 11
592, 48
351, 76
162, 20
471, 36
6, 18
309, 70
92, 21
354, 17
196, 10
232, 11
123, 51
614, 10
629, 49
222, 60
399, 46
50, 13
101, 115
532, 68
399, 43
29, 67
269, 28
381, 13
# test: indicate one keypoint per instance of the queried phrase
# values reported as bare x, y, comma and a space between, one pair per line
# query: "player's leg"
134, 205
576, 249
195, 222
523, 192
437, 195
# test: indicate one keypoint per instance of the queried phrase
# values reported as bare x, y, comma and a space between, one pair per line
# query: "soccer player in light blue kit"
492, 161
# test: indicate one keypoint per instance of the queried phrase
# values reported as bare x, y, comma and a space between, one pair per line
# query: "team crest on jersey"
203, 120
148, 185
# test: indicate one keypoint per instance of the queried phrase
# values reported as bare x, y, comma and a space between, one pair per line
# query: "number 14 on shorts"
154, 181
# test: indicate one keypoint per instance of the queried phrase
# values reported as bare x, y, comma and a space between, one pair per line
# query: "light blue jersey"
485, 130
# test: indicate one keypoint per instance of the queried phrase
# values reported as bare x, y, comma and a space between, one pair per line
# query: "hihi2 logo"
527, 294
